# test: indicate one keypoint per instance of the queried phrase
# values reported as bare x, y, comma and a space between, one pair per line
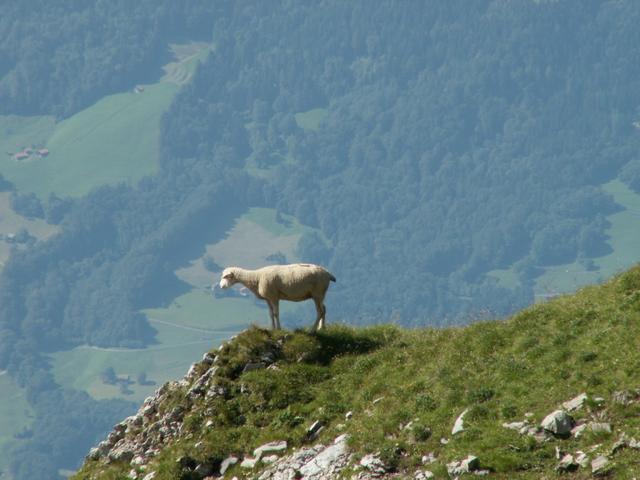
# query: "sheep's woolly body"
297, 282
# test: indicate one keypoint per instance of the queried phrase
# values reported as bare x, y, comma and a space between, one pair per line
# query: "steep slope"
387, 398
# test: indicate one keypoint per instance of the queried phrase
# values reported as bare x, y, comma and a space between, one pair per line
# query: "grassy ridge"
15, 416
388, 377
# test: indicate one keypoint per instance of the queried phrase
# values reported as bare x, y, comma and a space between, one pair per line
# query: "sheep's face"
228, 278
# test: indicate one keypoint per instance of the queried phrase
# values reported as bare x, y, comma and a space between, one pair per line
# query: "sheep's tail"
331, 277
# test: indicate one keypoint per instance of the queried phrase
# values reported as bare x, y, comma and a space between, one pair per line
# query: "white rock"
558, 423
269, 459
575, 403
599, 464
271, 447
428, 459
227, 463
423, 475
326, 458
567, 464
373, 463
133, 475
249, 462
582, 459
444, 441
348, 415
578, 430
515, 425
458, 426
150, 476
596, 427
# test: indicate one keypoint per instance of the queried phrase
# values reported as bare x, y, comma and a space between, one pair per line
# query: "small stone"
423, 475
249, 462
633, 443
559, 423
619, 445
138, 460
133, 475
481, 473
271, 447
458, 426
373, 463
515, 425
528, 415
227, 463
428, 459
567, 464
444, 441
582, 459
596, 427
150, 476
313, 431
269, 459
578, 430
622, 397
599, 464
377, 400
208, 358
209, 423
575, 403
348, 415
469, 464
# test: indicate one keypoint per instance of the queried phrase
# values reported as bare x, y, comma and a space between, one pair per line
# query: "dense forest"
454, 138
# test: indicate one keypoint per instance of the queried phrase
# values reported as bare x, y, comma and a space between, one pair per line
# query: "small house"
43, 152
21, 156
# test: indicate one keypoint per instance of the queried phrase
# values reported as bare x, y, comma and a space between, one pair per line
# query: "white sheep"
297, 282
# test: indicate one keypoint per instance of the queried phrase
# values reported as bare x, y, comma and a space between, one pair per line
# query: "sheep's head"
228, 278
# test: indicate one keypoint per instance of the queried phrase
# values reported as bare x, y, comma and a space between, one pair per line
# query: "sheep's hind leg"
319, 323
276, 315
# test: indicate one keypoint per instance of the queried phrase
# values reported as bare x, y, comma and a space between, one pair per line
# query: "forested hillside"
436, 149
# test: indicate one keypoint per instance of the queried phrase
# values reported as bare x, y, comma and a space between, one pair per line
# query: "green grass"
15, 415
499, 370
311, 119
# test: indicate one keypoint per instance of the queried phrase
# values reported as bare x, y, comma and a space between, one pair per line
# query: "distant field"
15, 415
115, 140
623, 233
311, 119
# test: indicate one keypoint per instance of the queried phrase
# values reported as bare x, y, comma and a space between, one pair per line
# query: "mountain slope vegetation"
405, 388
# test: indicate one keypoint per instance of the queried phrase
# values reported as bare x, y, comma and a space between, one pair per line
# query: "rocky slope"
551, 391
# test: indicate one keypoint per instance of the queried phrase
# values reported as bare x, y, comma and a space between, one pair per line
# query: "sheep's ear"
228, 275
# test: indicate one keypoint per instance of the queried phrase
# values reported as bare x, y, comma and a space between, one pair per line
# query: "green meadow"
114, 140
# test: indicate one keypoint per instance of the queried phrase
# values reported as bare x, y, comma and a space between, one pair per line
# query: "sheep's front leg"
272, 315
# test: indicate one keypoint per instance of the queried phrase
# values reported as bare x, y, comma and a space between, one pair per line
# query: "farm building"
21, 156
43, 152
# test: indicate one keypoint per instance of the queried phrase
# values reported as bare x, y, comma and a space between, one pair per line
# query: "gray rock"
582, 459
428, 459
518, 426
458, 426
468, 464
271, 447
633, 443
313, 431
622, 397
208, 358
559, 423
597, 427
269, 459
599, 465
150, 476
133, 475
575, 403
227, 463
423, 475
249, 462
567, 464
578, 430
373, 463
333, 455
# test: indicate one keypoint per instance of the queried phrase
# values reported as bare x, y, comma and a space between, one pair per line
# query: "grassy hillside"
501, 371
